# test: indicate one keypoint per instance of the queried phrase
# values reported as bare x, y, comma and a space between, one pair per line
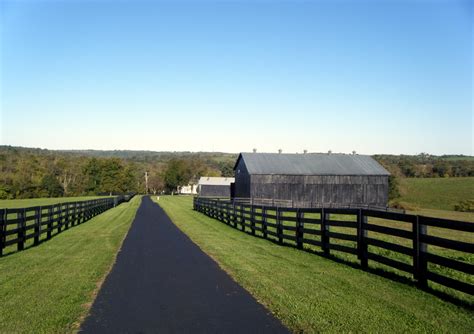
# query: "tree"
227, 168
92, 173
177, 173
156, 183
51, 186
111, 172
393, 187
441, 168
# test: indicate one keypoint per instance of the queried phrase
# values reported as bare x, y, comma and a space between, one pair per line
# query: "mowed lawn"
310, 293
436, 193
26, 203
49, 288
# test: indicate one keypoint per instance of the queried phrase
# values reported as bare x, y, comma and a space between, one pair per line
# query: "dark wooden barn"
312, 180
214, 186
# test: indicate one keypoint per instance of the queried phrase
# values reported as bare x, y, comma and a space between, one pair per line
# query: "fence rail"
40, 223
282, 203
396, 240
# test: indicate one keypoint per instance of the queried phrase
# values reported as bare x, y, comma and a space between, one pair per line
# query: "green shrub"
465, 206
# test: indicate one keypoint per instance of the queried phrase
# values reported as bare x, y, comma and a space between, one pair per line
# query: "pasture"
312, 293
436, 193
49, 288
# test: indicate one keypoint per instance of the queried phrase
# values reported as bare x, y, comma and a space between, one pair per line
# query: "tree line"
425, 165
29, 173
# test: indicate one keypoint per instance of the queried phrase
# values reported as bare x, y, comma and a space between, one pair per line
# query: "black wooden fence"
403, 235
17, 226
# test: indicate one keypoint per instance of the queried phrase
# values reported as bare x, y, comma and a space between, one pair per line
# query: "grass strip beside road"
49, 288
310, 293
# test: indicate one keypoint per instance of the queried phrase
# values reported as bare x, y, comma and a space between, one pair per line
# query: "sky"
389, 77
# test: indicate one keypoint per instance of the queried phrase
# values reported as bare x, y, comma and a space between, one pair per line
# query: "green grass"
435, 193
49, 288
25, 203
454, 215
310, 293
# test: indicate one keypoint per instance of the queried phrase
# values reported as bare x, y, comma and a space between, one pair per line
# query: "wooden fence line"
21, 224
282, 203
297, 227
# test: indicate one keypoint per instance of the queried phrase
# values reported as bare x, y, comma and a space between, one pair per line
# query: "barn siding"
208, 190
334, 189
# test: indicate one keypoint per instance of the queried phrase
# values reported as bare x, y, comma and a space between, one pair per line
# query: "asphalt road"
163, 283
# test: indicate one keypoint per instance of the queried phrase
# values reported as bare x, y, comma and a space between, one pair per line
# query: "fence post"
252, 219
21, 229
225, 211
279, 226
242, 217
3, 225
220, 214
299, 229
83, 212
419, 247
324, 232
67, 216
78, 213
73, 215
60, 218
234, 218
361, 239
87, 206
50, 221
37, 225
264, 221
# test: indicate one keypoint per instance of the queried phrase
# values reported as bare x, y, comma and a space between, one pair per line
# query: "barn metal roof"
216, 181
311, 164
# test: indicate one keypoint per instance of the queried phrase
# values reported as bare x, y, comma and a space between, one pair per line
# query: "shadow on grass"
354, 264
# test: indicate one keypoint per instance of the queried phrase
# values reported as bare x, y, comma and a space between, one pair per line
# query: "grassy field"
49, 288
25, 203
435, 193
313, 294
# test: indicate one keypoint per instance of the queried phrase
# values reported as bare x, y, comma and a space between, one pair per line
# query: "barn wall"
242, 180
214, 191
371, 190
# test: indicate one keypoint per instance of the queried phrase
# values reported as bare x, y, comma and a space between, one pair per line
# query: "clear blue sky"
371, 76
